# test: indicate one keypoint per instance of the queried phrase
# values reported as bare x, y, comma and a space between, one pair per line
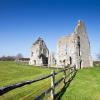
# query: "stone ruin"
39, 53
73, 49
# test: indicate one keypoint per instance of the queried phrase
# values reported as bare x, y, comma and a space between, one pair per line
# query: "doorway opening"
80, 64
34, 62
70, 60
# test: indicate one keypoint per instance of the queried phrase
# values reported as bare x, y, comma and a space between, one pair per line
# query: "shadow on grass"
60, 94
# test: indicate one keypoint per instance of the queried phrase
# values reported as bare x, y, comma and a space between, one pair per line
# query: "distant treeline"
11, 58
14, 58
7, 58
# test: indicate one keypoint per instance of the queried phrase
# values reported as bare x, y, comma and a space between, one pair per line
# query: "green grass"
11, 73
85, 86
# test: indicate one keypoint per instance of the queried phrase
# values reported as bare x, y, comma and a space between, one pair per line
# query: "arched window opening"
70, 60
78, 44
64, 62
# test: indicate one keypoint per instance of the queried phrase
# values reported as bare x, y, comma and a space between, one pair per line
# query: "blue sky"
23, 21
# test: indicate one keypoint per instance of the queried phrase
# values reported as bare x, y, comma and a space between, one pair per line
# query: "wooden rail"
54, 83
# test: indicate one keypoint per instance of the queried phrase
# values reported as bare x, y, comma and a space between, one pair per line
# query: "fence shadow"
60, 94
72, 72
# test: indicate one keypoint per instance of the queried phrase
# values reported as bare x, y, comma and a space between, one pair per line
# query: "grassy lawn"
85, 86
11, 73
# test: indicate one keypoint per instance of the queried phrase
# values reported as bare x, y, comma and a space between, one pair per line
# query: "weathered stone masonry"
73, 49
39, 53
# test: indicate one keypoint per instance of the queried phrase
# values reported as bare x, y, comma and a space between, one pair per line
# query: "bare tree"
18, 56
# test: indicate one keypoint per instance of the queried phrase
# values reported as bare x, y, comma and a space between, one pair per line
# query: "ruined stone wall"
65, 51
39, 53
34, 59
85, 54
75, 48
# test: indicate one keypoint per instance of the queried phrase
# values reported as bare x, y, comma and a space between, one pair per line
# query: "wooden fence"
54, 83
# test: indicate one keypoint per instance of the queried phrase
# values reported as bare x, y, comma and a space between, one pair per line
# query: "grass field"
85, 86
10, 73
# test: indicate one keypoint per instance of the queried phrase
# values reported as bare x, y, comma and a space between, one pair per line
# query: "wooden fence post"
53, 85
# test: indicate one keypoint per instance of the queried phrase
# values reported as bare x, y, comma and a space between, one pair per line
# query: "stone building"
39, 53
75, 48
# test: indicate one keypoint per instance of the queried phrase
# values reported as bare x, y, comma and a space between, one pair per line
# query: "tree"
7, 58
18, 56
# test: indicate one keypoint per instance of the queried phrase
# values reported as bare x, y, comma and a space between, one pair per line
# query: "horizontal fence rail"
51, 89
13, 86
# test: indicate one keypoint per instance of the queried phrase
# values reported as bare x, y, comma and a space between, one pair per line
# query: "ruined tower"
75, 48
